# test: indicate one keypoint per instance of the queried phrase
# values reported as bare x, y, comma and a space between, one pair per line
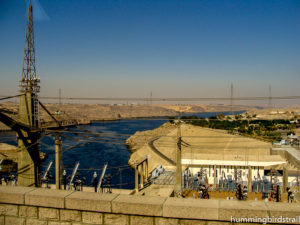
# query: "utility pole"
59, 99
58, 166
231, 98
297, 179
29, 151
178, 185
270, 97
120, 170
151, 108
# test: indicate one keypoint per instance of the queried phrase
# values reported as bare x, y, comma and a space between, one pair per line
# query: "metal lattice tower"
29, 80
28, 140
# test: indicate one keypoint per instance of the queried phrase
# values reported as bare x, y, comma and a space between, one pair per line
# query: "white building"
225, 165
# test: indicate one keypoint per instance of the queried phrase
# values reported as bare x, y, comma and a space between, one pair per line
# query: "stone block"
218, 223
28, 211
2, 220
193, 222
92, 217
59, 223
206, 209
246, 223
14, 195
8, 210
166, 221
138, 205
113, 219
241, 209
70, 215
284, 210
48, 213
47, 197
35, 222
90, 201
78, 223
9, 220
138, 220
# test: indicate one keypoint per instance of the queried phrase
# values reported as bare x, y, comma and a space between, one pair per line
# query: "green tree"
221, 116
171, 119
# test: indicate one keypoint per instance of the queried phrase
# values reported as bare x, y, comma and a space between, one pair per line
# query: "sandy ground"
190, 108
85, 113
275, 113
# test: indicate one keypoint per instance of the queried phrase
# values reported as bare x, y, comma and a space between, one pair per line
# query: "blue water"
96, 144
93, 146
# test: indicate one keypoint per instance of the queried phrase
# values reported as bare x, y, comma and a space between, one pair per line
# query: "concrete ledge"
138, 205
14, 195
41, 204
191, 208
90, 201
47, 198
241, 209
278, 209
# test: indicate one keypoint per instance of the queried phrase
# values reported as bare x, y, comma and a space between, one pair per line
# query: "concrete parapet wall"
37, 206
285, 153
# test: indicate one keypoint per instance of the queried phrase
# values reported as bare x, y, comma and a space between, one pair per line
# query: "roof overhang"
198, 162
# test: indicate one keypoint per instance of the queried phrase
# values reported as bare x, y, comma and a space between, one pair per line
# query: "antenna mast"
29, 80
28, 142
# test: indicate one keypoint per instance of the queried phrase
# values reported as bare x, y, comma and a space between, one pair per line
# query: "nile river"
96, 144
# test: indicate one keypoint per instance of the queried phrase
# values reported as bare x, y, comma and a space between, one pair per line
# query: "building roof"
7, 147
8, 151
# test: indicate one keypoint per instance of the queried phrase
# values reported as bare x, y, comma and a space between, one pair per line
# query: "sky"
174, 48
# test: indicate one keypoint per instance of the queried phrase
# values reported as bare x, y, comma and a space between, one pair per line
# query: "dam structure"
183, 174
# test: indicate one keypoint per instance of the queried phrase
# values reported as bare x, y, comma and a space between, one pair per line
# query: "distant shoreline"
3, 130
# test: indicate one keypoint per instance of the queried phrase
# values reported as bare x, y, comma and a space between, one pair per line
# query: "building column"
146, 169
147, 174
249, 179
285, 179
58, 162
136, 179
142, 175
215, 176
28, 143
178, 184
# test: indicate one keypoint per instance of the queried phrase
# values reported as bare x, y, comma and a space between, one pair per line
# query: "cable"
165, 99
8, 97
173, 99
124, 167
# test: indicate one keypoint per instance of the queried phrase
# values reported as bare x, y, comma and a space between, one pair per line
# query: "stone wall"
37, 206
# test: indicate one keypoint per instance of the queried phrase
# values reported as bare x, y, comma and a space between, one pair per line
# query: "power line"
270, 97
166, 99
8, 97
175, 99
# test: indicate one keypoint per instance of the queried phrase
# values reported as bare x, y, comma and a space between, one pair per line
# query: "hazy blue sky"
194, 48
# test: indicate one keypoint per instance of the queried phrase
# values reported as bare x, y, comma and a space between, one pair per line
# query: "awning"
198, 162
